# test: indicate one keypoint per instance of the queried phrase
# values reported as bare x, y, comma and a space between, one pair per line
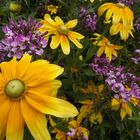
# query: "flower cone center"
63, 29
14, 88
120, 5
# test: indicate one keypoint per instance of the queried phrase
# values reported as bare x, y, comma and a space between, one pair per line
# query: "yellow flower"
118, 12
123, 106
27, 92
105, 46
124, 30
61, 33
122, 19
52, 9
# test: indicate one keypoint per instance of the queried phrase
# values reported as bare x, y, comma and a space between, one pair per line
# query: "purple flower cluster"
136, 58
128, 3
22, 36
89, 20
123, 84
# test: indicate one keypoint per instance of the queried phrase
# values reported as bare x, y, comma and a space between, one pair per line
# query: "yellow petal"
4, 111
40, 74
74, 40
72, 23
40, 62
55, 41
110, 12
115, 104
51, 105
122, 114
114, 29
8, 69
58, 20
49, 88
46, 16
15, 123
108, 53
129, 15
3, 82
118, 47
23, 65
117, 16
65, 45
36, 122
103, 8
76, 35
100, 51
51, 22
127, 109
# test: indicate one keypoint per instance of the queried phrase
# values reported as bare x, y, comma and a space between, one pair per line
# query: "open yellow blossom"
52, 9
124, 30
27, 92
61, 33
123, 106
118, 12
105, 46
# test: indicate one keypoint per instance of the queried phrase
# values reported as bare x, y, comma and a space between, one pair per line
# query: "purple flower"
100, 65
88, 20
71, 133
117, 79
118, 87
82, 12
22, 36
136, 58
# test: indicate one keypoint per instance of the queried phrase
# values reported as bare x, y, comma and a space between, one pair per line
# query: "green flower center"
15, 88
120, 5
108, 43
63, 29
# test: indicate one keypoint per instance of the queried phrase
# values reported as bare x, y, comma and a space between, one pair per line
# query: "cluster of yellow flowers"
121, 16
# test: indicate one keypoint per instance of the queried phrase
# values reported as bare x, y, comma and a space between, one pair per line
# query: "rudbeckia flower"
61, 33
28, 92
105, 46
118, 12
121, 16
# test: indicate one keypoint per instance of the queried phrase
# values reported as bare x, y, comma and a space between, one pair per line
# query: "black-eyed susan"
119, 13
105, 46
61, 33
124, 30
27, 92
